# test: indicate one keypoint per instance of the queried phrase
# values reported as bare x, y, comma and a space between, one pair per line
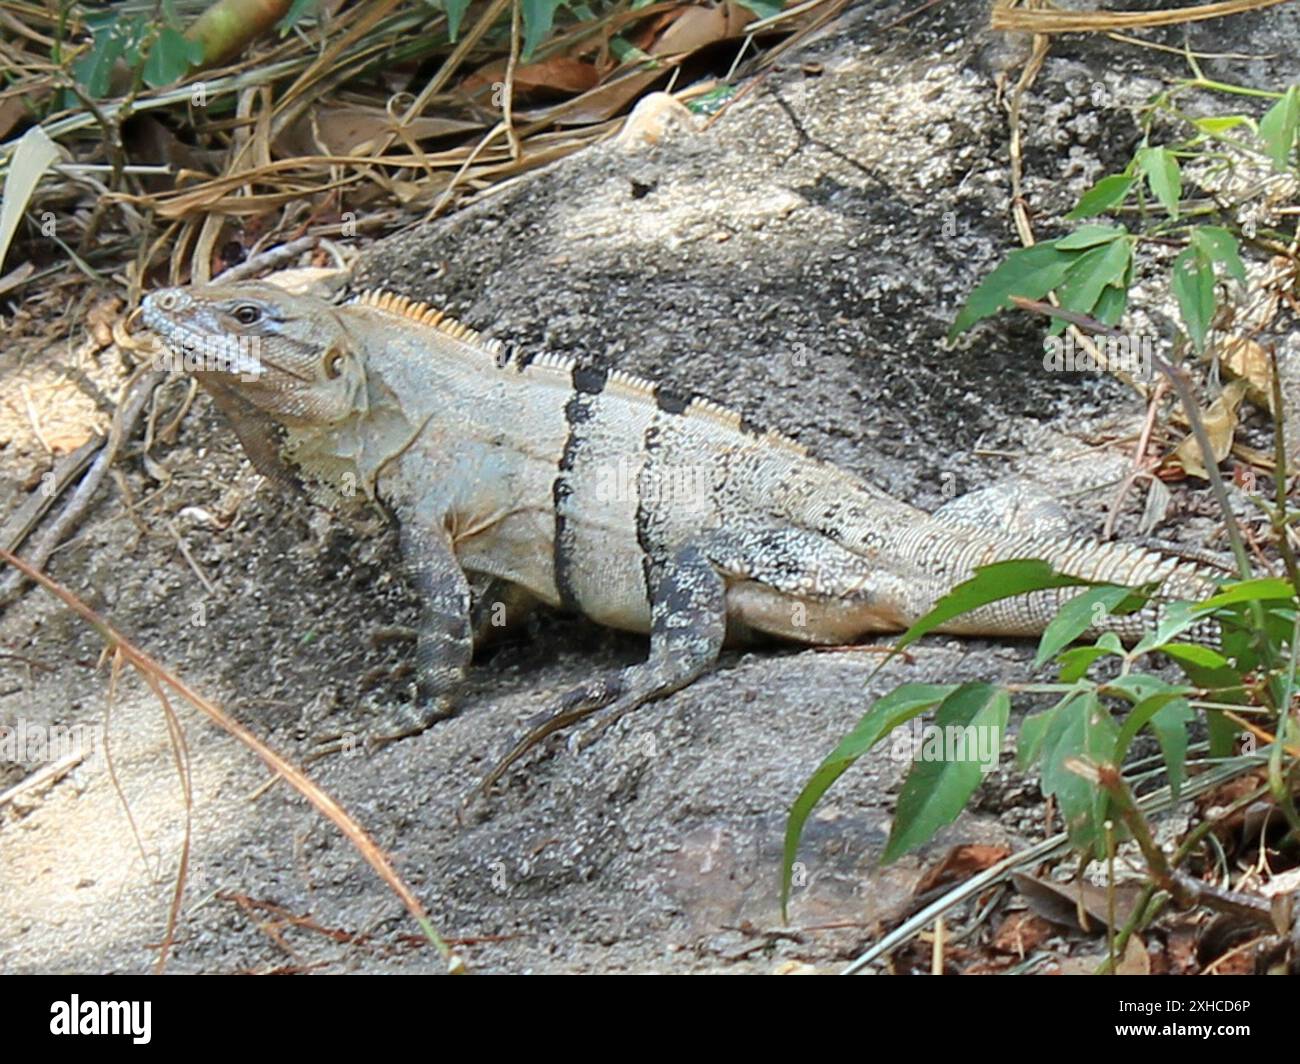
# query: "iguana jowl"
598, 491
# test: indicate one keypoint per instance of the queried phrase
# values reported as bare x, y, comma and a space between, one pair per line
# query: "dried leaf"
961, 862
1135, 960
33, 156
1157, 506
1245, 360
560, 74
604, 101
1060, 902
1021, 933
694, 28
653, 117
351, 130
13, 109
1220, 424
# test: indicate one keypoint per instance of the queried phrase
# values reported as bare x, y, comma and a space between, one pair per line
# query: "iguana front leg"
444, 641
688, 625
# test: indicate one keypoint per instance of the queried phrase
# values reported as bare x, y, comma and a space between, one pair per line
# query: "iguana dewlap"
597, 491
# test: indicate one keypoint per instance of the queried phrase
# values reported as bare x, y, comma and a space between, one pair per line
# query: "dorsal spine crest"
619, 382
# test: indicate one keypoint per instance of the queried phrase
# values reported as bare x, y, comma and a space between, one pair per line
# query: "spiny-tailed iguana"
598, 491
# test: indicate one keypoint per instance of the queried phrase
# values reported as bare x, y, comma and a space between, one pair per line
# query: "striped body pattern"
603, 493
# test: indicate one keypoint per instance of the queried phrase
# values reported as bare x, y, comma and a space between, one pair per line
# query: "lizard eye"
248, 314
334, 365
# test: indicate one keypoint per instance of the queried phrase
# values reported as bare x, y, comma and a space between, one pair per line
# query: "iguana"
601, 492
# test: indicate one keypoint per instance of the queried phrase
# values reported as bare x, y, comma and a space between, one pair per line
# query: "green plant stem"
1144, 911
1203, 82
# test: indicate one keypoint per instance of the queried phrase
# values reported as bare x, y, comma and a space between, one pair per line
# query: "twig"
1186, 891
267, 260
157, 676
1044, 21
508, 90
21, 522
49, 774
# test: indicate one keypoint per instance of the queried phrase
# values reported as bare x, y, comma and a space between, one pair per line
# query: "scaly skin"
600, 492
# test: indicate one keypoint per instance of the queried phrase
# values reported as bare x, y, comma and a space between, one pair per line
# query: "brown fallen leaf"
561, 74
1060, 902
1021, 933
959, 863
350, 130
1220, 425
693, 28
604, 101
1245, 360
1135, 960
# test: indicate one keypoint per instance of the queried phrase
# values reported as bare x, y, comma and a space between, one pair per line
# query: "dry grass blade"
1006, 17
32, 157
158, 678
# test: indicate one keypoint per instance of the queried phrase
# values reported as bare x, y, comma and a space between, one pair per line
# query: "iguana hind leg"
788, 582
688, 625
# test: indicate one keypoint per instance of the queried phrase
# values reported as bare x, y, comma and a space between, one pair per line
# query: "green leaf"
539, 15
1076, 661
991, 583
294, 15
1141, 714
1219, 245
169, 59
1193, 285
936, 790
1076, 616
1167, 713
1170, 726
1094, 271
1033, 732
1175, 619
1109, 307
34, 154
1082, 729
1137, 687
763, 8
1259, 589
1090, 236
1223, 734
93, 69
1028, 272
1278, 127
1107, 193
1160, 168
1214, 124
1195, 654
455, 10
895, 708
136, 32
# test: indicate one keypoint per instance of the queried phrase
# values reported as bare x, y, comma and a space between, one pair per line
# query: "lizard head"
286, 355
